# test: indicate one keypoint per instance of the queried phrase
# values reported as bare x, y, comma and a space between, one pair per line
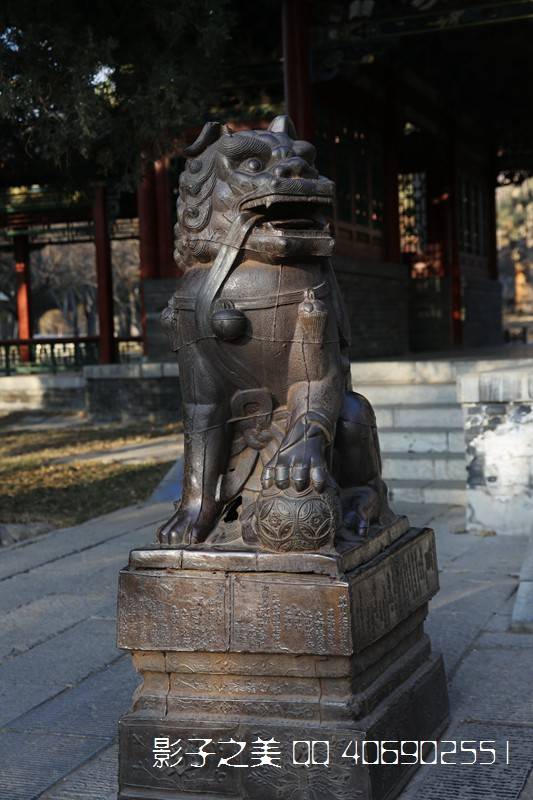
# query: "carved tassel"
312, 316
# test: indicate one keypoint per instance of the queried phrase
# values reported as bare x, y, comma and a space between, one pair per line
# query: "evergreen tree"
93, 88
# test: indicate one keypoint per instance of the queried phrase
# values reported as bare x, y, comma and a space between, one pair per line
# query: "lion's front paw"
298, 466
186, 526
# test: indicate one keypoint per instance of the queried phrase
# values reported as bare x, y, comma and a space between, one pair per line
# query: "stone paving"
156, 450
63, 683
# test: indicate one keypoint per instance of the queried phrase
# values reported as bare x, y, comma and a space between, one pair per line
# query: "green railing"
57, 354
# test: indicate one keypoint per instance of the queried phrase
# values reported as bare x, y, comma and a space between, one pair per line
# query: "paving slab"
96, 780
494, 556
92, 708
503, 780
489, 667
158, 449
44, 421
423, 514
495, 684
57, 646
522, 617
460, 611
32, 762
170, 488
16, 700
82, 572
500, 620
506, 639
60, 543
526, 571
527, 791
34, 623
448, 521
63, 660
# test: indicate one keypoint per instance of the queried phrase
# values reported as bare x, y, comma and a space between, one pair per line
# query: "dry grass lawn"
33, 489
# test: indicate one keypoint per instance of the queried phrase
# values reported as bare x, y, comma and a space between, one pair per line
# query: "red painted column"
297, 67
147, 210
22, 270
104, 277
148, 250
165, 237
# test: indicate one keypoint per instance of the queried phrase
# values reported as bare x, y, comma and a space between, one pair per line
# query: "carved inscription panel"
191, 610
290, 616
183, 611
387, 593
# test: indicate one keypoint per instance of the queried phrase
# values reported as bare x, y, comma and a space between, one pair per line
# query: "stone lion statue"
275, 439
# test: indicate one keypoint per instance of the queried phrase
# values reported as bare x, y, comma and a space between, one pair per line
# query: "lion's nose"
292, 168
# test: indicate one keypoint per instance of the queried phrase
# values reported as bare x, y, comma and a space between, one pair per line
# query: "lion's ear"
283, 124
209, 134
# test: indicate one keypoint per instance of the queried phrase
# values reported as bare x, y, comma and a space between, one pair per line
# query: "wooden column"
297, 66
391, 211
452, 243
147, 210
104, 277
21, 246
492, 244
165, 238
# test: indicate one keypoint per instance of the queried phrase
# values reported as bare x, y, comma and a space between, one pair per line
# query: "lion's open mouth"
296, 215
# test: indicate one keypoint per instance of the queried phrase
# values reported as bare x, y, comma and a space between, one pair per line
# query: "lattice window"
413, 213
362, 188
352, 156
344, 183
378, 194
472, 215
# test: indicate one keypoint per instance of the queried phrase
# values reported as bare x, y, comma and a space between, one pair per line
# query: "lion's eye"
253, 165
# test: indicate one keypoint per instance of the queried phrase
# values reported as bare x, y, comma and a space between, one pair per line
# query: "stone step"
424, 415
420, 491
36, 392
437, 370
407, 394
424, 466
422, 440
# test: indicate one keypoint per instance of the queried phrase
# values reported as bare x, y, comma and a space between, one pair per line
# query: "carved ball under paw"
291, 521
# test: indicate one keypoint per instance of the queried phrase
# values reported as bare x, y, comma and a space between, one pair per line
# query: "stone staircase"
421, 421
420, 428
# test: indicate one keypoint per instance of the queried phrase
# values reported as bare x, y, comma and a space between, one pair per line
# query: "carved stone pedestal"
245, 647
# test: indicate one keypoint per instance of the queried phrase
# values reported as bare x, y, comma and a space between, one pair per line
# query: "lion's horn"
283, 124
209, 134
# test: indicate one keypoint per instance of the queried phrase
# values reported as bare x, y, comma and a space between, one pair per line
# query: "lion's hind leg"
357, 465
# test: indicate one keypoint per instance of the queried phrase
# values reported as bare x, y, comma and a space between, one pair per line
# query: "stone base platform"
241, 648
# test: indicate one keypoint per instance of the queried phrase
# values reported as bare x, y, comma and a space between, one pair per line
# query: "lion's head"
271, 172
